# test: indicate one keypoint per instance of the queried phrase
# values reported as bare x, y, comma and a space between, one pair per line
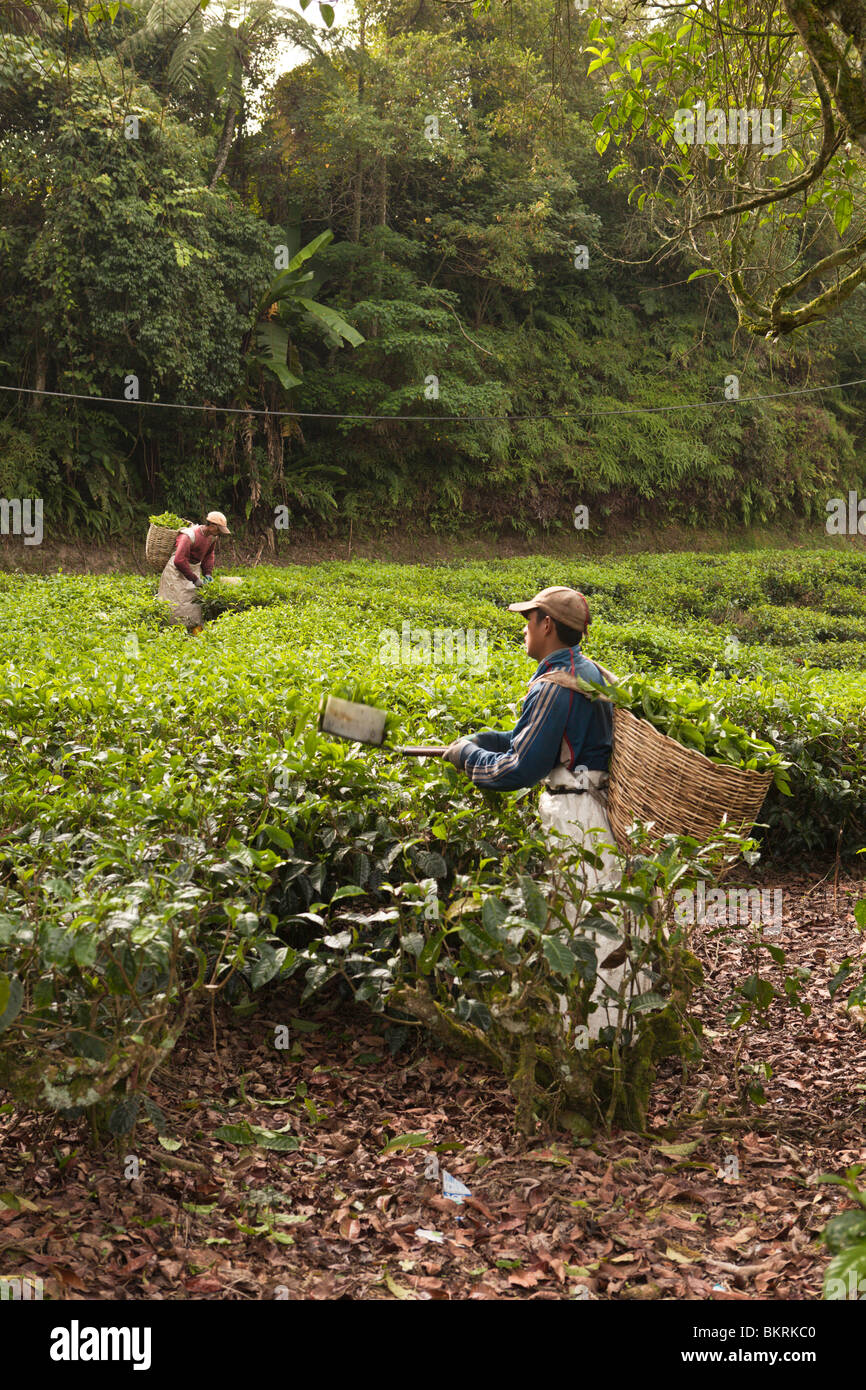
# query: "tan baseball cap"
218, 519
567, 606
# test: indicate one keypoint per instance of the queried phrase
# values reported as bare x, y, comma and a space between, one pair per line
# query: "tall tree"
744, 122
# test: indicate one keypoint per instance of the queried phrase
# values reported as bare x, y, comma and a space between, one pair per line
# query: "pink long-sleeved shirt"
200, 551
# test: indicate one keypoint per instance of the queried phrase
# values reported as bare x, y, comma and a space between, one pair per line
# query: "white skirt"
181, 593
581, 817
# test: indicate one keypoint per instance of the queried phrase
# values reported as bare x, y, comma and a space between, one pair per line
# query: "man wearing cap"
557, 727
190, 567
564, 739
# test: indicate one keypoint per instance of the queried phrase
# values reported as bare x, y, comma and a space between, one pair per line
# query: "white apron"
581, 816
179, 591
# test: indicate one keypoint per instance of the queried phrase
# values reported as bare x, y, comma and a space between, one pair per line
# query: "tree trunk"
383, 198
382, 221
463, 1037
225, 144
41, 375
359, 162
813, 23
355, 234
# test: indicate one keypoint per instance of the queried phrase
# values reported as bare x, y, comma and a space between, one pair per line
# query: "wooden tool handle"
422, 752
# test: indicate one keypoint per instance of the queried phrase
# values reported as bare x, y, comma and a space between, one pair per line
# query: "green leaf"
84, 949
338, 942
280, 1140
278, 836
348, 890
558, 956
172, 1145
842, 211
431, 864
643, 1003
758, 991
333, 321
323, 239
849, 1228
842, 974
677, 1151
845, 1272
123, 1116
153, 1112
406, 1141
493, 914
286, 378
235, 1134
430, 954
536, 905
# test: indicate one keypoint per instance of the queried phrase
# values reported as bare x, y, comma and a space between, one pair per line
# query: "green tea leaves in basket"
695, 722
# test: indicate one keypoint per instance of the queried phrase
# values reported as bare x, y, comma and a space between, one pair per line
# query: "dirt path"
718, 1205
404, 546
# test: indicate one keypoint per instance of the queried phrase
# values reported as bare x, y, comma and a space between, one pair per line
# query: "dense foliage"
172, 817
749, 154
450, 155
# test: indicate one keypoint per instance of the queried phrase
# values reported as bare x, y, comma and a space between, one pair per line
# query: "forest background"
471, 258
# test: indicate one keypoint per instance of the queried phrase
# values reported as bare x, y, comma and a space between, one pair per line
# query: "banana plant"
274, 351
272, 361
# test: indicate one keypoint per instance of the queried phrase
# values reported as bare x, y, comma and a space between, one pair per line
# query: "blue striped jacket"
504, 761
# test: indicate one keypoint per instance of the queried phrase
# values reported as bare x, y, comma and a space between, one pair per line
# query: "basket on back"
654, 778
159, 546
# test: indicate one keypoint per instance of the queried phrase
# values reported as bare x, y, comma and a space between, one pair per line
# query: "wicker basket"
654, 778
159, 546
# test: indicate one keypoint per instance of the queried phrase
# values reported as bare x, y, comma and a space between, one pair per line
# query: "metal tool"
346, 719
364, 724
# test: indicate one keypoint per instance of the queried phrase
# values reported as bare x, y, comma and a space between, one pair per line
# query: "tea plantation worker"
564, 739
191, 566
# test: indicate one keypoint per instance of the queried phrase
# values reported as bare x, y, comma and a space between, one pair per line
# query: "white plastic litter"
453, 1188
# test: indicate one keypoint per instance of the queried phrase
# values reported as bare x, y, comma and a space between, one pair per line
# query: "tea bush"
171, 816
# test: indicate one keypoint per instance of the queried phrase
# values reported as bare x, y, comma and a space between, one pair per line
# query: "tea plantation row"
168, 808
